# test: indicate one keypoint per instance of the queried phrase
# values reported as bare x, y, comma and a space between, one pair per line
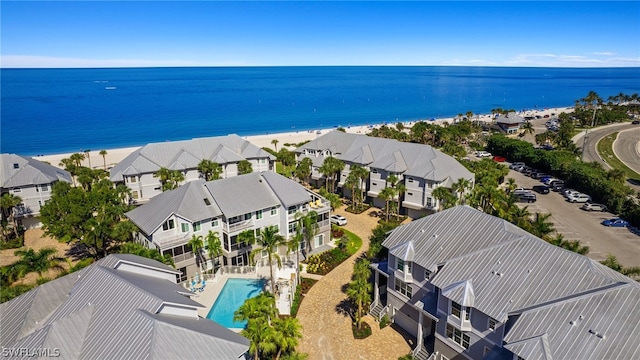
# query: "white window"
458, 336
133, 179
400, 264
215, 223
456, 309
427, 274
197, 226
404, 288
429, 202
429, 184
168, 225
17, 190
274, 211
16, 166
134, 195
44, 187
410, 180
185, 227
492, 324
259, 214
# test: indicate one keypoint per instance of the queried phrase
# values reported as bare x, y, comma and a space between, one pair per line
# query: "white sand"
114, 156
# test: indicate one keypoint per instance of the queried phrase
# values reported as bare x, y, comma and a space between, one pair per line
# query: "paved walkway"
326, 329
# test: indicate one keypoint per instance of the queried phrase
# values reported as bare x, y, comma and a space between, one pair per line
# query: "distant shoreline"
116, 155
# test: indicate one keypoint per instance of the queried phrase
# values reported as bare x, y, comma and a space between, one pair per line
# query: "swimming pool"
232, 296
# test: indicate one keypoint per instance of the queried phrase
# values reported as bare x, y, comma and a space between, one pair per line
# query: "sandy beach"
114, 156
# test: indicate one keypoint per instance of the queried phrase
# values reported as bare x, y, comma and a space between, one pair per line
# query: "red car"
499, 159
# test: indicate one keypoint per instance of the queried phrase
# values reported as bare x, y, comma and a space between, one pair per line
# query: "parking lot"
585, 226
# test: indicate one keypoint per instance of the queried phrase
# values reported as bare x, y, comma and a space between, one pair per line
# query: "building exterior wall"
33, 198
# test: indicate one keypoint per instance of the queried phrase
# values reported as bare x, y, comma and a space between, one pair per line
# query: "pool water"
232, 296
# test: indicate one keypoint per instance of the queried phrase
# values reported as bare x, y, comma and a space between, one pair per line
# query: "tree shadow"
77, 251
345, 308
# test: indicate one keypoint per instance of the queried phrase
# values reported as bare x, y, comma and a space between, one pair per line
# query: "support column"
420, 336
376, 289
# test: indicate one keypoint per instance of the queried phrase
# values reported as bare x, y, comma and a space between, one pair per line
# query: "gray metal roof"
417, 160
289, 192
451, 233
17, 171
186, 201
599, 325
112, 314
187, 154
242, 194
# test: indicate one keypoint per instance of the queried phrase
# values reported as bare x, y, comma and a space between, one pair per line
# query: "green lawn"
605, 149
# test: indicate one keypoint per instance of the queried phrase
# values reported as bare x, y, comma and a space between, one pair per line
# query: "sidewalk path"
326, 331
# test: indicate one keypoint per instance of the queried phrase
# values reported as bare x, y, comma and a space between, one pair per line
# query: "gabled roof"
404, 251
107, 313
17, 171
229, 197
187, 201
598, 325
410, 159
242, 194
460, 292
186, 154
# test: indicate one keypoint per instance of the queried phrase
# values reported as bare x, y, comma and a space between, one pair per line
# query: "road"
627, 147
576, 224
626, 151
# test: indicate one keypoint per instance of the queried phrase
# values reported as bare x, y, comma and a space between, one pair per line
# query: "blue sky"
212, 33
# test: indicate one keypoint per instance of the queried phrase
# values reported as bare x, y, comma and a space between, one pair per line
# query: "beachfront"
114, 156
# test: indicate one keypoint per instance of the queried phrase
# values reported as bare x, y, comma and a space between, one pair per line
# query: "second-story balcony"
238, 226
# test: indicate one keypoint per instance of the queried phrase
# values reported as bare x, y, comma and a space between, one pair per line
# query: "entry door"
240, 260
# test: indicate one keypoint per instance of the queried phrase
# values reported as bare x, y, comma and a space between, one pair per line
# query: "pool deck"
214, 287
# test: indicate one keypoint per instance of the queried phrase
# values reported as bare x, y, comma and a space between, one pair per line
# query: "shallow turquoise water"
233, 295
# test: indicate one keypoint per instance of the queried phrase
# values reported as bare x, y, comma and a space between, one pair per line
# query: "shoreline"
116, 155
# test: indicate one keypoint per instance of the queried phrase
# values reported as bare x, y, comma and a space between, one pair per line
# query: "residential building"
420, 168
121, 307
32, 181
469, 285
228, 207
137, 170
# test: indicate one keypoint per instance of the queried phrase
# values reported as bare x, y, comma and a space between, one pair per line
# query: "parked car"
544, 178
499, 159
482, 154
516, 164
635, 122
548, 180
526, 197
528, 171
589, 206
555, 182
568, 192
539, 175
338, 220
578, 198
615, 222
558, 186
541, 189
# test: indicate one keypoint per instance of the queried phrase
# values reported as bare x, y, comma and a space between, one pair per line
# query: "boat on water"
110, 88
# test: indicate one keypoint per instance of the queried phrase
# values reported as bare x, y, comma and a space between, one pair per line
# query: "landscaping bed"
301, 290
323, 263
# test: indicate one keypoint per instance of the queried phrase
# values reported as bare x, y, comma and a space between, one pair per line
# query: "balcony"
171, 241
238, 226
404, 276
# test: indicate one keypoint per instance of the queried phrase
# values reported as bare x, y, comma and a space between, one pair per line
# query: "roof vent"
573, 323
529, 271
580, 317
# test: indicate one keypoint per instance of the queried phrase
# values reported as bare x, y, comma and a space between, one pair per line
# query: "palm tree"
309, 225
294, 245
444, 197
362, 174
103, 153
617, 175
387, 194
77, 159
359, 290
169, 179
210, 170
269, 241
137, 249
258, 312
87, 156
528, 128
460, 187
7, 203
400, 190
352, 183
541, 226
244, 167
287, 335
247, 237
197, 245
303, 170
214, 247
275, 144
41, 261
330, 167
612, 262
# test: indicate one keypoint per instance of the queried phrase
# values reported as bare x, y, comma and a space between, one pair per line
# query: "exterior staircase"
421, 353
376, 311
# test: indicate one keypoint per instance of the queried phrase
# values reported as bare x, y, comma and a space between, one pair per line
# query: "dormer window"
206, 201
460, 311
400, 265
16, 166
492, 324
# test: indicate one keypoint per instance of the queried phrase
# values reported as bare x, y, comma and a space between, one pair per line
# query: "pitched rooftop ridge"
18, 171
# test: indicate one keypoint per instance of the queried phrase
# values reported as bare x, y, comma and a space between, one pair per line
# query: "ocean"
48, 111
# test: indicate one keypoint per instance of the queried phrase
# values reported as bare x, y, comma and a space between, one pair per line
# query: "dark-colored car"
615, 222
541, 189
635, 122
558, 187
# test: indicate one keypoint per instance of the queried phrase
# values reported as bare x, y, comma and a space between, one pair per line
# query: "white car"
338, 220
482, 154
578, 198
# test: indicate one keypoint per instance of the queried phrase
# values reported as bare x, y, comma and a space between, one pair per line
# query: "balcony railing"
183, 257
239, 226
